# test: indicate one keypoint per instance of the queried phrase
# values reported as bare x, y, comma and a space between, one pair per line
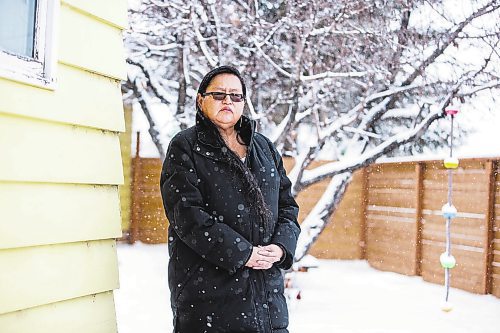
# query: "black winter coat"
213, 229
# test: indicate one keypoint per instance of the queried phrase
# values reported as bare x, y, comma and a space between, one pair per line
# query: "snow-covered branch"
392, 91
275, 65
324, 75
304, 159
475, 90
318, 218
201, 40
142, 99
330, 74
450, 38
361, 132
278, 131
334, 168
330, 31
152, 83
217, 32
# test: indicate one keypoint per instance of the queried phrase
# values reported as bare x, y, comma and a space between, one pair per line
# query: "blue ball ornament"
449, 211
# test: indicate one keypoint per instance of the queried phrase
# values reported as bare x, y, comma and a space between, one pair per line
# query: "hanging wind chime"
449, 212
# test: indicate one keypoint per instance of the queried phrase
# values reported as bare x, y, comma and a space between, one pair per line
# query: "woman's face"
226, 113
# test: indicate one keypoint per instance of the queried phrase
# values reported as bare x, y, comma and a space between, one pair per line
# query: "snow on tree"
363, 79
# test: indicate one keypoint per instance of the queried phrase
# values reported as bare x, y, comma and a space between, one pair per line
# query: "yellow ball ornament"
446, 306
451, 163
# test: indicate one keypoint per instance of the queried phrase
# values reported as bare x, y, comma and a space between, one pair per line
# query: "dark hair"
216, 71
252, 193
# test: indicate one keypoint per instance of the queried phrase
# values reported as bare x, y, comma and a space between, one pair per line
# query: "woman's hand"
263, 257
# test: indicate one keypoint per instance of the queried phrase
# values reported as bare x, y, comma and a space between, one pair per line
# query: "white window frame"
39, 71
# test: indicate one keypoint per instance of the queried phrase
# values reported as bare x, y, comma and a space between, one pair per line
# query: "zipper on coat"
252, 286
266, 299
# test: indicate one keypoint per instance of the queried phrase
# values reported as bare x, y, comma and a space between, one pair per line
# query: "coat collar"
208, 133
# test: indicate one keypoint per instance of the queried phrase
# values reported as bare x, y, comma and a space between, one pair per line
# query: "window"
27, 43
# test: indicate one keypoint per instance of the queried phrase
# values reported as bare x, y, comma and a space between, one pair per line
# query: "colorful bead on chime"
446, 306
447, 260
451, 112
448, 211
451, 163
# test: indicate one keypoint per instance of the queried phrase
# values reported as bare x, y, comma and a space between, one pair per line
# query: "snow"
338, 296
307, 261
143, 300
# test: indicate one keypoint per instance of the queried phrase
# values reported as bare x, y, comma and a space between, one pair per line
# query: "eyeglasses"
220, 96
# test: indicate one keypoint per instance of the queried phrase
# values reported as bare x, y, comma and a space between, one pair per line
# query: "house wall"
60, 168
125, 189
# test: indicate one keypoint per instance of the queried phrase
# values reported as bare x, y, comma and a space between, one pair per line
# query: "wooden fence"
390, 216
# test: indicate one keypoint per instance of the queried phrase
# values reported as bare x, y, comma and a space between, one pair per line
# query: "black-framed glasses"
220, 96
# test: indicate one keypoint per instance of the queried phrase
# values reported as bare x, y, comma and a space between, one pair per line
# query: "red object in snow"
298, 295
451, 112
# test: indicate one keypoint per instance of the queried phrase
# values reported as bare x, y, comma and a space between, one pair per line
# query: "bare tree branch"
334, 168
153, 132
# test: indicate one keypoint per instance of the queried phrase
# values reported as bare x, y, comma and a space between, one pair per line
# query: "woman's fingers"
273, 252
271, 257
262, 264
257, 257
266, 256
263, 257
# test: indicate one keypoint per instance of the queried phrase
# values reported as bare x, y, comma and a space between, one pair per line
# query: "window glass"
17, 26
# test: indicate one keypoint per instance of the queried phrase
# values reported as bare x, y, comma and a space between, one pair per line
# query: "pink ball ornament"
451, 112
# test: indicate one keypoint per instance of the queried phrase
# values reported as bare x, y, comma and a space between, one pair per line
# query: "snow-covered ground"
338, 296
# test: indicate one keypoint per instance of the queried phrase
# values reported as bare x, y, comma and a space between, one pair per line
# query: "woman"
233, 221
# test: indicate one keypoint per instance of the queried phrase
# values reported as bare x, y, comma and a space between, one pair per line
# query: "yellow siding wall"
81, 98
82, 36
88, 314
125, 189
60, 169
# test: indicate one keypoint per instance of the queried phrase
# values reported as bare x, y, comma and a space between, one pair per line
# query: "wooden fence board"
400, 170
458, 222
459, 176
405, 183
442, 185
457, 239
391, 197
489, 235
464, 202
395, 262
153, 224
